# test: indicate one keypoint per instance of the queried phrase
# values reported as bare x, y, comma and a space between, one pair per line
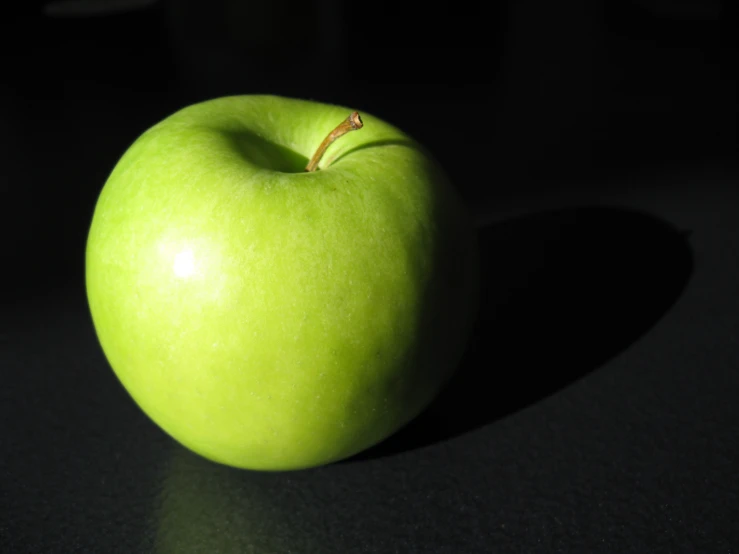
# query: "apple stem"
351, 123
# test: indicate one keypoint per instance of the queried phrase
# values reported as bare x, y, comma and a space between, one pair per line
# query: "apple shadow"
563, 292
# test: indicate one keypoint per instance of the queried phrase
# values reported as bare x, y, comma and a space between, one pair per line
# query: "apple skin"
269, 318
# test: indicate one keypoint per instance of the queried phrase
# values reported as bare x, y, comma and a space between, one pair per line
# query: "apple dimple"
266, 154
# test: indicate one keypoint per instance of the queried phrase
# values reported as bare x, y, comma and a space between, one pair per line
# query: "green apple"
273, 318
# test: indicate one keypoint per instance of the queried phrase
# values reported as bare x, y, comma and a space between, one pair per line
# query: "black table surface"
597, 408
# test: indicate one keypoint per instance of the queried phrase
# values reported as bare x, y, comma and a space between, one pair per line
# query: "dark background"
595, 142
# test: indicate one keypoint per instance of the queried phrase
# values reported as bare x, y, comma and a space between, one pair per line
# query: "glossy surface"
269, 318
